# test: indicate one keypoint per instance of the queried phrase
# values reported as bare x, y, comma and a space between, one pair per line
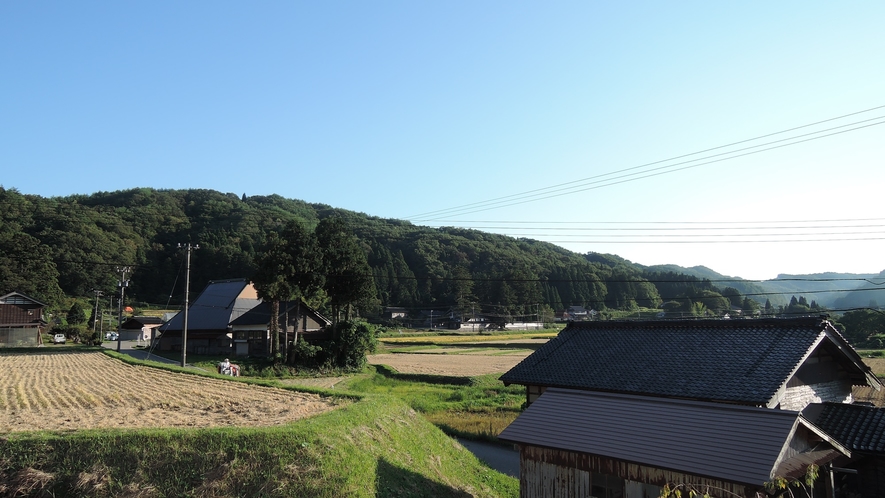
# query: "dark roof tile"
742, 361
857, 427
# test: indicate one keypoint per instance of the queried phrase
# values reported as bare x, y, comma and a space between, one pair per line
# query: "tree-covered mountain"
69, 246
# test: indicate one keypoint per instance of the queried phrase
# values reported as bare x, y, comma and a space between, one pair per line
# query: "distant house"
251, 333
21, 321
625, 408
209, 318
140, 328
395, 312
579, 313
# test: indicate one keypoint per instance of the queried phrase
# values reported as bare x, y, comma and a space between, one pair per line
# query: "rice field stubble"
90, 390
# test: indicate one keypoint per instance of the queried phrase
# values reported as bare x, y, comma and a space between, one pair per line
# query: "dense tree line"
67, 246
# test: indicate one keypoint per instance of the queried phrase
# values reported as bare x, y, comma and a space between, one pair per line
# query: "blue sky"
407, 109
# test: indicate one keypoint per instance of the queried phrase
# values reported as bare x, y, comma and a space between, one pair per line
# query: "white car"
59, 339
111, 336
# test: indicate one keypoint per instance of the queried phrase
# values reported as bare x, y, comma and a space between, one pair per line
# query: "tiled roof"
741, 361
732, 443
859, 428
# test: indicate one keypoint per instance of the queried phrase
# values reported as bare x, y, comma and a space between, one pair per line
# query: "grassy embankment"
375, 446
477, 407
471, 407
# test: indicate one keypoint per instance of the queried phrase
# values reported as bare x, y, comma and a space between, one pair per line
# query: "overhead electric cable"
551, 189
579, 187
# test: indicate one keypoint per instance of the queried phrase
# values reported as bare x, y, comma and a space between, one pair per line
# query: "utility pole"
95, 317
122, 285
187, 285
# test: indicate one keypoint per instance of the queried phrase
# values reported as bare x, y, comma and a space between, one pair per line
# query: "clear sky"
409, 109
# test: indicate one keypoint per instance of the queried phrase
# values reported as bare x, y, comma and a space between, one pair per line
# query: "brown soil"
464, 365
67, 391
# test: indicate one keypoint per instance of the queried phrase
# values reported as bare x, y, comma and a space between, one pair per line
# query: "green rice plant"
444, 399
480, 425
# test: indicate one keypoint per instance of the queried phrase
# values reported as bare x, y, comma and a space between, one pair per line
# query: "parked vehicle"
59, 339
111, 336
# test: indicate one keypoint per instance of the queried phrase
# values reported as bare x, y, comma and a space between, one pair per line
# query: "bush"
307, 354
351, 342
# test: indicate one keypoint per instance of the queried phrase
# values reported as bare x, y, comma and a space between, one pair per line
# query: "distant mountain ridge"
838, 291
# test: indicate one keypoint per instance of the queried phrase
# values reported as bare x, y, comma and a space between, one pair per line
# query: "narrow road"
128, 347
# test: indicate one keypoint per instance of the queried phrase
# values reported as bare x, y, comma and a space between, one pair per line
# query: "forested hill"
52, 248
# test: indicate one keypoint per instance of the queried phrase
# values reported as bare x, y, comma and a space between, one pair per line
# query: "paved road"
128, 347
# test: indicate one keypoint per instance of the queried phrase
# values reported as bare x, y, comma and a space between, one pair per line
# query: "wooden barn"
21, 321
251, 331
209, 317
622, 409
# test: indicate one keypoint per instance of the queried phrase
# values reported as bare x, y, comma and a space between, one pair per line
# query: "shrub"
352, 340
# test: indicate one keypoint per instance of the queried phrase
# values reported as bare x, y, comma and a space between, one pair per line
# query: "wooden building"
21, 321
251, 331
621, 409
209, 318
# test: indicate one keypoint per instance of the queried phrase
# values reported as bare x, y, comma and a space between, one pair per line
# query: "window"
606, 486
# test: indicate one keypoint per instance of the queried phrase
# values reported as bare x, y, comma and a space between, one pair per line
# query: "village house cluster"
623, 409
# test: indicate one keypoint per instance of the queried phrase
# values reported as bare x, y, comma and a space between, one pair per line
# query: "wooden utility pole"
187, 285
122, 285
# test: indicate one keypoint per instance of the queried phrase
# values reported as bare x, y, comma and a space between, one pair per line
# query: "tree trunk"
285, 345
298, 320
275, 329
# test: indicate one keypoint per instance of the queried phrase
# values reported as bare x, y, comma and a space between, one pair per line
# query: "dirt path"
450, 364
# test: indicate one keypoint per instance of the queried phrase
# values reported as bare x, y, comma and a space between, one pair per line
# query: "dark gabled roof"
738, 444
858, 427
738, 361
218, 305
260, 314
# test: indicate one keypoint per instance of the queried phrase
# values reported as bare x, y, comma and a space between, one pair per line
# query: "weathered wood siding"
549, 473
821, 378
798, 397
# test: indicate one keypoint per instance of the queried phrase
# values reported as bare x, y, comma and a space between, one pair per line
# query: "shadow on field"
391, 373
391, 480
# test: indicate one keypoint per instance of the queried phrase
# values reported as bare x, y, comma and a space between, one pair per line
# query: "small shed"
582, 443
140, 328
861, 429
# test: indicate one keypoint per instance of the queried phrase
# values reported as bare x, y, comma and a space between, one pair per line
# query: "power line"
581, 185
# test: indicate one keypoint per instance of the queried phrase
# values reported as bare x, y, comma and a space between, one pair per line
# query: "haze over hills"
831, 290
68, 246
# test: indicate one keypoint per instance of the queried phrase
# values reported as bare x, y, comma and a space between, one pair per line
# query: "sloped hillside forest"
62, 247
